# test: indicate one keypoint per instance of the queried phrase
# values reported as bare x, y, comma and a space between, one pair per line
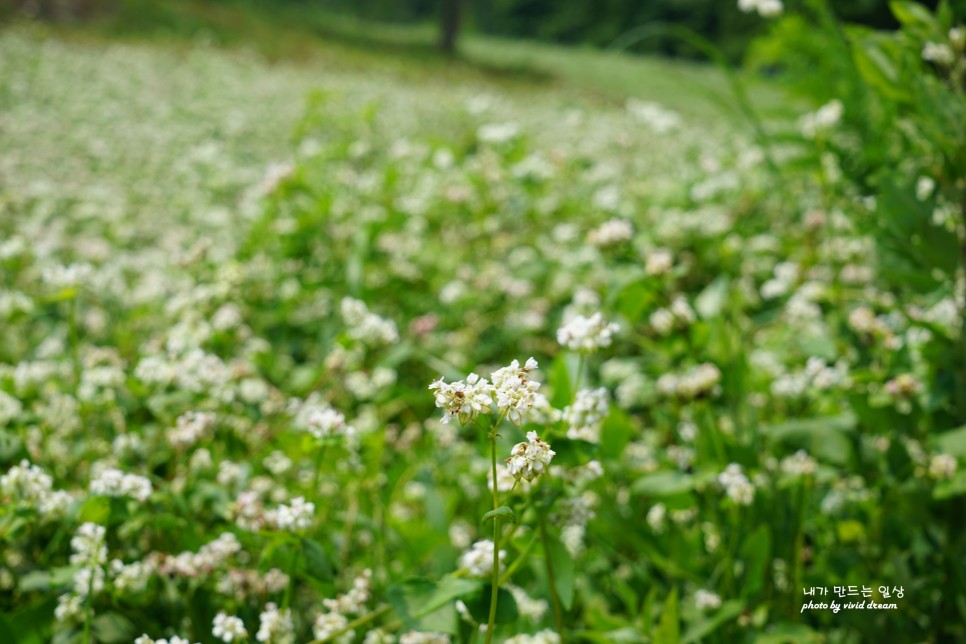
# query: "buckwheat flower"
706, 600
658, 261
515, 392
354, 601
69, 606
942, 466
275, 626
938, 53
478, 560
545, 636
295, 517
324, 421
529, 460
130, 578
190, 428
228, 628
88, 544
379, 636
611, 233
736, 485
798, 464
656, 517
114, 482
587, 334
586, 415
925, 186
529, 608
825, 118
328, 624
957, 36
463, 400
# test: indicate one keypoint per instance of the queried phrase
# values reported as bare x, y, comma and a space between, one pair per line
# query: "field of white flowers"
299, 354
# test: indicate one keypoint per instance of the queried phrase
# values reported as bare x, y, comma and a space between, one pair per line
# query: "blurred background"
586, 23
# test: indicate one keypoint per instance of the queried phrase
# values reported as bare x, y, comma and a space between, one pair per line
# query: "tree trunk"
449, 25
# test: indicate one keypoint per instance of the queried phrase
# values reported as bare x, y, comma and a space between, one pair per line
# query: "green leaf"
10, 446
662, 484
705, 626
506, 606
756, 553
113, 627
823, 438
317, 563
668, 629
914, 15
96, 509
417, 601
710, 301
564, 572
502, 512
878, 69
955, 486
615, 433
952, 442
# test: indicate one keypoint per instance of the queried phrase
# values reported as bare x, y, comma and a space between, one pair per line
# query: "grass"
312, 34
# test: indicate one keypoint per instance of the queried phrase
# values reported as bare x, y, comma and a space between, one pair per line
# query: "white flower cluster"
817, 375
586, 415
657, 117
587, 334
706, 600
328, 624
190, 428
942, 466
113, 482
545, 636
29, 484
798, 464
295, 517
765, 8
678, 315
275, 626
939, 53
478, 560
174, 639
611, 233
318, 418
736, 485
354, 601
512, 390
130, 578
90, 555
700, 381
529, 460
658, 261
822, 120
228, 628
211, 556
367, 327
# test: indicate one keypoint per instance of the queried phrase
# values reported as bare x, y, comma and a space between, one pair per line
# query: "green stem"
89, 608
287, 600
551, 578
519, 560
495, 584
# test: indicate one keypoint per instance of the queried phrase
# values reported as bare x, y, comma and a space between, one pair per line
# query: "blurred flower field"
296, 354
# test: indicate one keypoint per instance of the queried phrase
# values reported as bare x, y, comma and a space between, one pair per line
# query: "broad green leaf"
502, 512
710, 301
317, 563
952, 442
506, 606
113, 627
662, 484
756, 553
705, 626
669, 628
564, 572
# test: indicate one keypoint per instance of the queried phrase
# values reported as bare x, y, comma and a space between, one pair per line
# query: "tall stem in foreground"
495, 584
551, 578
